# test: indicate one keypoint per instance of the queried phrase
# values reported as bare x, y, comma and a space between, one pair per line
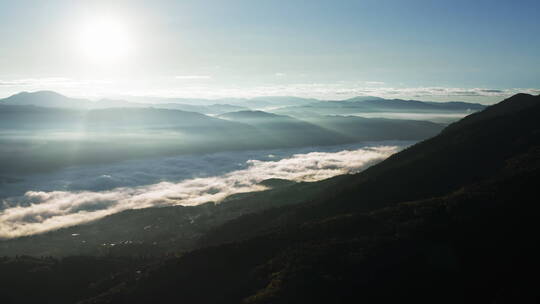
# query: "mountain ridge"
54, 99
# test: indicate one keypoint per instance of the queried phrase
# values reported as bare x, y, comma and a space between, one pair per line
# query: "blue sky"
245, 48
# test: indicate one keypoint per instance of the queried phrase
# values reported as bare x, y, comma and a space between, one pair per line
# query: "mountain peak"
44, 99
523, 99
43, 93
510, 105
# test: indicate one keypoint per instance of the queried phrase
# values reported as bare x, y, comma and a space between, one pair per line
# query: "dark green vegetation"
158, 231
48, 280
452, 219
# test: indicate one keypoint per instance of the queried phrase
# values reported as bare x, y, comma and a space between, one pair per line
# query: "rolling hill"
334, 128
39, 139
285, 129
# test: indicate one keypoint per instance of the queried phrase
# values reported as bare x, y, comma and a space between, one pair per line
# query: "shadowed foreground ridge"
451, 219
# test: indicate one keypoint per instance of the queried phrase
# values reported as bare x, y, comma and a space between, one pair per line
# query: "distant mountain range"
375, 104
284, 128
219, 106
397, 104
56, 137
52, 99
342, 128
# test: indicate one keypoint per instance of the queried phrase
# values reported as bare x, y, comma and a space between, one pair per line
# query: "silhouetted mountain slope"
466, 246
463, 153
510, 106
476, 245
48, 280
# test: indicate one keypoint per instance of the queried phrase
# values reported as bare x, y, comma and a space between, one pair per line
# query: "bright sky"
440, 50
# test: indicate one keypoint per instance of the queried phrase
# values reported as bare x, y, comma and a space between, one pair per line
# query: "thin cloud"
193, 77
197, 86
13, 83
39, 81
336, 91
374, 83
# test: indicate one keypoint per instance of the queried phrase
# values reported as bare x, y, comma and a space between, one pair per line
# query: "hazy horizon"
430, 51
474, 95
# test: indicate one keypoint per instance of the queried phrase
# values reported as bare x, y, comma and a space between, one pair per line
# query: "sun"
105, 40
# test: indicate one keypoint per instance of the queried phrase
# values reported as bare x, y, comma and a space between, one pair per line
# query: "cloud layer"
197, 86
40, 211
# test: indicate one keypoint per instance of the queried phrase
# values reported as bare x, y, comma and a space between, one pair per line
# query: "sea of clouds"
197, 86
76, 195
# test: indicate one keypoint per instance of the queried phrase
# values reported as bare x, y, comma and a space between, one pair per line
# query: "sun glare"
105, 40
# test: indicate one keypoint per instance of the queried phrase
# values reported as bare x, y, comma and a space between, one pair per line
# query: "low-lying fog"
443, 118
41, 202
